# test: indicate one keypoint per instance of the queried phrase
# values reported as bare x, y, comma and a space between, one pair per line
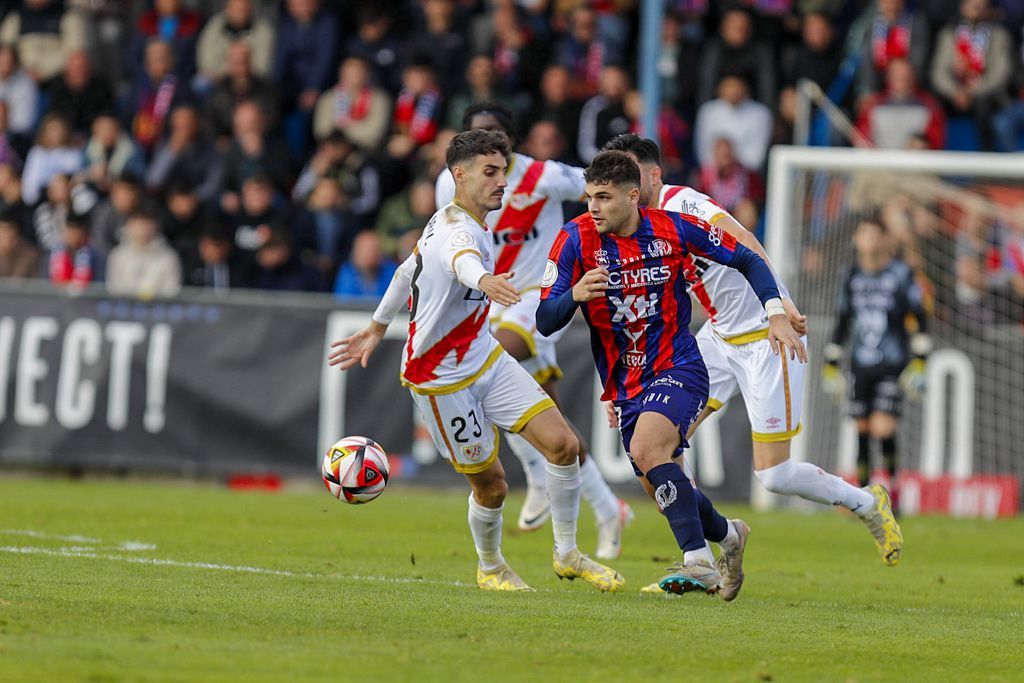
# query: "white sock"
485, 525
596, 492
813, 483
703, 554
564, 494
731, 539
531, 459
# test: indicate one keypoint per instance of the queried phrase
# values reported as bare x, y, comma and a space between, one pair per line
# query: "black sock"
863, 457
889, 456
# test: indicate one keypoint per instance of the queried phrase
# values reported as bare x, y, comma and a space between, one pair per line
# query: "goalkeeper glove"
912, 379
832, 381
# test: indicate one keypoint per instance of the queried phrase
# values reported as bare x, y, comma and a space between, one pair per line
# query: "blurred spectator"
583, 53
519, 58
972, 66
143, 264
8, 154
155, 93
744, 122
890, 31
736, 188
357, 177
736, 51
418, 110
481, 86
18, 258
11, 204
545, 142
79, 95
1008, 123
280, 269
183, 217
976, 251
253, 151
405, 212
355, 106
185, 157
111, 214
441, 44
368, 272
19, 91
110, 153
678, 77
43, 32
673, 134
604, 116
72, 260
237, 23
53, 153
170, 22
556, 104
50, 217
257, 216
612, 27
817, 57
892, 118
238, 85
377, 46
214, 264
307, 42
324, 228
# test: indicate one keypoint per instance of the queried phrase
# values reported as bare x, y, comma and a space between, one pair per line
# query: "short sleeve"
703, 208
563, 268
563, 182
462, 239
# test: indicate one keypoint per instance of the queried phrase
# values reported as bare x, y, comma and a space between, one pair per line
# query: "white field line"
75, 538
87, 554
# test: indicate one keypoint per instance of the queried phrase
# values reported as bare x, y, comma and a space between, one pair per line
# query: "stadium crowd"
293, 144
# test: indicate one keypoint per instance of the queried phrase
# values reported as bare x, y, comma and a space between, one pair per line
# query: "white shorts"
521, 318
772, 386
464, 424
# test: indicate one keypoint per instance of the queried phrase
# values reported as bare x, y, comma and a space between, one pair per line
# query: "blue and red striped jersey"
641, 326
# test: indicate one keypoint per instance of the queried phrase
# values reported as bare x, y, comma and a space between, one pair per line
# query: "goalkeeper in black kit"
881, 313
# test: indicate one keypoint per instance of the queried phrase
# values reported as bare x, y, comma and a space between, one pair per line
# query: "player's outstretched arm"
356, 349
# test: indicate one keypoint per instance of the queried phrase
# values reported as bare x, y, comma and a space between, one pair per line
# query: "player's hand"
498, 288
613, 417
832, 381
797, 319
356, 349
912, 379
784, 338
591, 286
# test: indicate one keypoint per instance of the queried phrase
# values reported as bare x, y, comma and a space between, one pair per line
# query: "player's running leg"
486, 502
549, 433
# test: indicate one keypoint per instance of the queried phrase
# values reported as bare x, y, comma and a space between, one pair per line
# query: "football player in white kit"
524, 228
462, 381
734, 344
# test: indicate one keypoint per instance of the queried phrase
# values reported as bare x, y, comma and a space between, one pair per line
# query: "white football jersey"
525, 226
731, 304
449, 343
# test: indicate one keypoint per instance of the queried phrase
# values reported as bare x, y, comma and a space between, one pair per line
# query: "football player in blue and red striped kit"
624, 265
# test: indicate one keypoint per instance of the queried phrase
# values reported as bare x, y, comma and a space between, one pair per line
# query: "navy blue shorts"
679, 394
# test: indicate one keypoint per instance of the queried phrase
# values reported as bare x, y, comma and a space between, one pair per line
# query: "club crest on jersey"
659, 248
461, 238
522, 200
550, 274
473, 451
601, 256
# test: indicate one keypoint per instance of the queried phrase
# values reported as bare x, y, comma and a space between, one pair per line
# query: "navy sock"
864, 458
716, 527
889, 455
675, 496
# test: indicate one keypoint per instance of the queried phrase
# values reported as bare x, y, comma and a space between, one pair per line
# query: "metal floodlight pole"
651, 17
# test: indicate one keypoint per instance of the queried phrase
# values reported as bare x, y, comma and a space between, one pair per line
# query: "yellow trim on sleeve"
522, 332
745, 338
452, 388
465, 251
545, 375
775, 438
531, 413
477, 468
719, 216
714, 403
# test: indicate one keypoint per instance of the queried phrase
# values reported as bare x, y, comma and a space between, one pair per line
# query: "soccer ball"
355, 470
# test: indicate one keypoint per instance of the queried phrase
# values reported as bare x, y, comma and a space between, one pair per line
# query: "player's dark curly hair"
644, 149
613, 167
473, 143
502, 114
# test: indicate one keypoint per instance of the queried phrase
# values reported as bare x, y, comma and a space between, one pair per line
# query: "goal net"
958, 221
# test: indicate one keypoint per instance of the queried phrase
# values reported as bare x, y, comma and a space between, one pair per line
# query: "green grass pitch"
128, 581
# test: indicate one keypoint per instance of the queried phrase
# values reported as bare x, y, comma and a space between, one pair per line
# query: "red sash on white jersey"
519, 220
690, 269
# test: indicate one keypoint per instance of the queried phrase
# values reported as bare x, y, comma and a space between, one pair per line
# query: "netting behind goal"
958, 220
